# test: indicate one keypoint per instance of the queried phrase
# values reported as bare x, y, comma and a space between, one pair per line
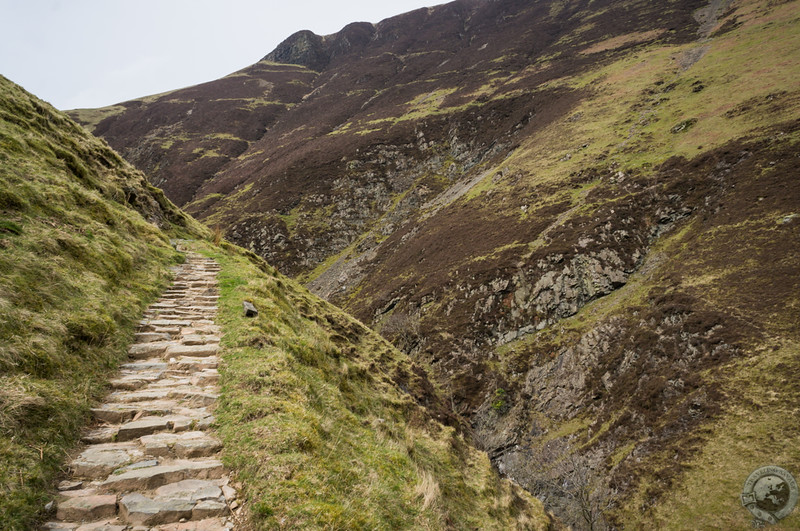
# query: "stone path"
151, 463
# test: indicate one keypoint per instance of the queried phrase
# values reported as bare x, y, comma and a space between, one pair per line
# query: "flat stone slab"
59, 526
140, 395
133, 380
194, 396
105, 525
119, 412
172, 380
209, 508
171, 330
143, 426
183, 445
69, 485
99, 460
153, 323
150, 365
205, 377
150, 337
141, 351
87, 508
209, 524
191, 490
138, 509
80, 493
100, 435
199, 339
195, 351
157, 476
185, 363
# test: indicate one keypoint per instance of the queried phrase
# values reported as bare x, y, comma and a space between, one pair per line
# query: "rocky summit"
577, 221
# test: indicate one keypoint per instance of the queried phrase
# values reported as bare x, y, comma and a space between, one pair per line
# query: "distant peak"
302, 48
315, 52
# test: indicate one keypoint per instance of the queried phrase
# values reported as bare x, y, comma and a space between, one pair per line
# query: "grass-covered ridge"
84, 245
319, 422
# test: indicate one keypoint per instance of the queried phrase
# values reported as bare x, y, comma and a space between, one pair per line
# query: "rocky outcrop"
302, 48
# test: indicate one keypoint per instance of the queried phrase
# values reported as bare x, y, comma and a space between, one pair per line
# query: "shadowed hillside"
325, 424
582, 216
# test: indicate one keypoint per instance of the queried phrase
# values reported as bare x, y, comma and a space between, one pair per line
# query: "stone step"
99, 460
150, 337
153, 477
150, 325
119, 412
152, 424
186, 445
112, 524
133, 380
194, 351
142, 351
145, 365
137, 509
146, 394
191, 365
100, 435
199, 339
87, 508
205, 377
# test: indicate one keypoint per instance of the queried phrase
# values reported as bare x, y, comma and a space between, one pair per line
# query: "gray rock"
196, 351
249, 309
143, 426
138, 509
70, 485
141, 464
154, 477
190, 489
59, 526
209, 508
146, 350
100, 435
87, 508
98, 461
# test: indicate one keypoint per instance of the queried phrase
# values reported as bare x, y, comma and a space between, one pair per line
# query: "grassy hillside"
322, 419
84, 246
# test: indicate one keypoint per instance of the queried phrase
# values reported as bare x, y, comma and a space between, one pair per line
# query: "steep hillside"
84, 246
583, 215
325, 424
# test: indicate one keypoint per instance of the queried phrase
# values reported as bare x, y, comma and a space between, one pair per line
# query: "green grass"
78, 264
319, 433
91, 117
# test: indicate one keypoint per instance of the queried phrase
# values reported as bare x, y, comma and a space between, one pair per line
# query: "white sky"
93, 53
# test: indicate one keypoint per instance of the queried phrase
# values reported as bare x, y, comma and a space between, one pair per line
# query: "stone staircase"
151, 462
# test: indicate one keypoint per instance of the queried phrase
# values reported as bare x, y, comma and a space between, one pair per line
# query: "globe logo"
770, 494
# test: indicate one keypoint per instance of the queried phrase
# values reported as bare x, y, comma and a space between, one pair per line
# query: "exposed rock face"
303, 48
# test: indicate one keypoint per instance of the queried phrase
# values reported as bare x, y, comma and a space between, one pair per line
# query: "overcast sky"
93, 53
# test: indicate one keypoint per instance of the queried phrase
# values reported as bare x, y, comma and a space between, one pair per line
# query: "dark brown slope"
384, 105
183, 138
